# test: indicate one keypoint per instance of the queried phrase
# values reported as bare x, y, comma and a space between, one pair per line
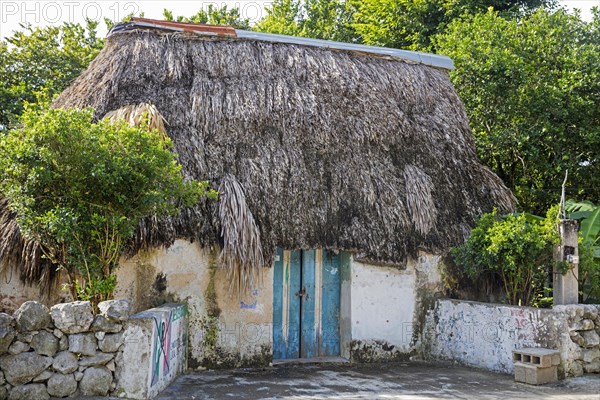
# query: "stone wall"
484, 335
60, 352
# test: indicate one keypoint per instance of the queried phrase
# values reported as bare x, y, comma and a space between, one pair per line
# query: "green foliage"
531, 87
319, 19
213, 16
283, 17
80, 188
96, 290
512, 249
399, 23
589, 248
589, 272
408, 24
42, 61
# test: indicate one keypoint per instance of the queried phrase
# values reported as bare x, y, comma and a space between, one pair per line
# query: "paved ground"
410, 381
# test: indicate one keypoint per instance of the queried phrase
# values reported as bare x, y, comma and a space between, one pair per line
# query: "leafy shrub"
515, 250
81, 187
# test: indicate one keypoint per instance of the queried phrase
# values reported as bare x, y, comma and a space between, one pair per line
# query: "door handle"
303, 293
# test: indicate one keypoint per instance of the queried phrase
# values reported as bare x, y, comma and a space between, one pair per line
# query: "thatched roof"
330, 149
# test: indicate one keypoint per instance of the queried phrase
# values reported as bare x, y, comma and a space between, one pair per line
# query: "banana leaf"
579, 214
590, 227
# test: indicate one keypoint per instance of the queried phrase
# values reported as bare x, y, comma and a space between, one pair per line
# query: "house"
345, 172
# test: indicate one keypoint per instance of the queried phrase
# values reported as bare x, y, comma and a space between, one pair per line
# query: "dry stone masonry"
62, 352
583, 323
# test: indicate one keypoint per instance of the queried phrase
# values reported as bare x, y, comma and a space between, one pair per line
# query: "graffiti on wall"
250, 305
165, 343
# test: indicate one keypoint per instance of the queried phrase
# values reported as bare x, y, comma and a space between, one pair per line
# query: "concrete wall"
388, 306
226, 330
484, 335
154, 351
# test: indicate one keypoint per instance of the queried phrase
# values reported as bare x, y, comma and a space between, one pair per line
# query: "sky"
41, 13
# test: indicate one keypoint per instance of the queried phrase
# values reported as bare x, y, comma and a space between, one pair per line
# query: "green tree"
81, 187
411, 24
318, 19
399, 23
42, 61
283, 17
408, 24
531, 88
213, 16
514, 250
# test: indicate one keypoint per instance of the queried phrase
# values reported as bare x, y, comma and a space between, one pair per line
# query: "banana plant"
588, 215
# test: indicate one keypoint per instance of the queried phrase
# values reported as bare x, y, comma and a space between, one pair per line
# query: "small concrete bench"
536, 366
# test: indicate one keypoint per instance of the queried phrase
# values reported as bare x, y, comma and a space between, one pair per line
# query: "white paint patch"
383, 304
286, 289
318, 291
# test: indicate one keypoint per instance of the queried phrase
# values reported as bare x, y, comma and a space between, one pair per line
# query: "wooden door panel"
329, 344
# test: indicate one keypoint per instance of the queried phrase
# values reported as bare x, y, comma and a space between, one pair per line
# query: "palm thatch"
22, 253
313, 148
140, 115
242, 251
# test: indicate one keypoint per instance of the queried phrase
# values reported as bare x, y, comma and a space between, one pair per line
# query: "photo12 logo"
14, 13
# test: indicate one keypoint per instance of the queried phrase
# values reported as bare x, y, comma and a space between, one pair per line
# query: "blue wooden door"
286, 305
329, 344
306, 304
308, 341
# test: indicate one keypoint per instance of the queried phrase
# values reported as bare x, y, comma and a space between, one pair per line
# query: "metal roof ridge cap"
201, 29
435, 60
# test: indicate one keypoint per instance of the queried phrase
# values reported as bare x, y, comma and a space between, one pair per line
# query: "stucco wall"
388, 306
13, 292
226, 330
382, 308
484, 335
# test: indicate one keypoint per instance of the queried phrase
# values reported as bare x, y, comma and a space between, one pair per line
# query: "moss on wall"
210, 322
369, 351
223, 359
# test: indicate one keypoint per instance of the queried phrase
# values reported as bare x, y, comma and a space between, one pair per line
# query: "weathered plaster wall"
245, 323
484, 335
388, 306
226, 330
13, 292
